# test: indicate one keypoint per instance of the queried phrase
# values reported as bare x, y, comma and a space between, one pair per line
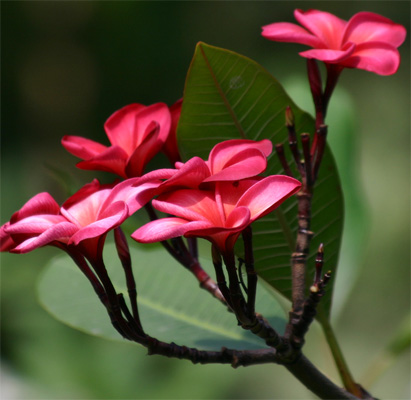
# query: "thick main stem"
302, 368
299, 257
316, 382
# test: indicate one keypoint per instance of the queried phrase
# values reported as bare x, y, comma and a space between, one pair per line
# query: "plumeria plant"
273, 219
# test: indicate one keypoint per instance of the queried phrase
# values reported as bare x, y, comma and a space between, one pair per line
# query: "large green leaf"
229, 96
172, 306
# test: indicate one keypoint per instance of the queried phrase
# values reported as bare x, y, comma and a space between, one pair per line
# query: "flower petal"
166, 228
189, 175
113, 216
158, 113
330, 56
377, 57
83, 208
59, 232
133, 193
223, 152
113, 159
246, 164
267, 194
6, 242
239, 218
145, 151
120, 127
81, 147
190, 204
231, 192
34, 224
41, 203
327, 27
163, 173
288, 32
369, 27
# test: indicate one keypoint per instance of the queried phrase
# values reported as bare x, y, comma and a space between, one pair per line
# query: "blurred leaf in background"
67, 66
171, 306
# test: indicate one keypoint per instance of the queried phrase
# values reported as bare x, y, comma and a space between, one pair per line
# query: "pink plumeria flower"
367, 41
218, 215
231, 160
136, 133
82, 221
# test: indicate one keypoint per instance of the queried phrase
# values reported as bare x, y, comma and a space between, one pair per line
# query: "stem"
301, 326
316, 382
292, 140
114, 308
333, 73
87, 271
342, 366
308, 176
299, 257
188, 259
302, 369
236, 296
281, 156
124, 255
319, 151
251, 273
193, 247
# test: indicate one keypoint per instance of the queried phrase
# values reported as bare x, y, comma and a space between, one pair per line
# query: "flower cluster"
215, 199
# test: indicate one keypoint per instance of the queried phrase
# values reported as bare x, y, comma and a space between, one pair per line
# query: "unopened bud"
314, 289
122, 247
289, 117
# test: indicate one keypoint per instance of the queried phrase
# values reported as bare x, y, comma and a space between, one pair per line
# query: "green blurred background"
66, 66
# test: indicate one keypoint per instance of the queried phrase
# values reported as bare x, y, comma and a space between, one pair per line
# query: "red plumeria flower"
136, 133
231, 160
82, 221
367, 41
218, 215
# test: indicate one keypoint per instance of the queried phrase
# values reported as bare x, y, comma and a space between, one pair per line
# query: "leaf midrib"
222, 94
181, 316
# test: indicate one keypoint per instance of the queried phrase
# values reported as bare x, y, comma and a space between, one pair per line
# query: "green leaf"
228, 96
172, 306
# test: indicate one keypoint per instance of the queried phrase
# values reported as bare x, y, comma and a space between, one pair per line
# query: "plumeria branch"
317, 291
299, 366
304, 310
302, 368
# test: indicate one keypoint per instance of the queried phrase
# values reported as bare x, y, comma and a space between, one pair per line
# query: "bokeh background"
66, 66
